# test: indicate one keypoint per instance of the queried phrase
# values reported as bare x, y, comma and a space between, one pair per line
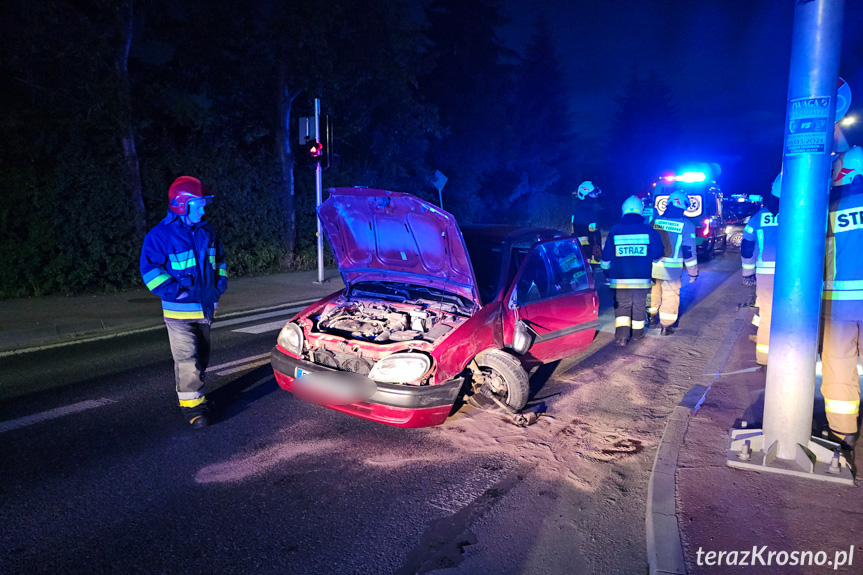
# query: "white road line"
245, 360
258, 383
244, 367
249, 318
262, 328
53, 414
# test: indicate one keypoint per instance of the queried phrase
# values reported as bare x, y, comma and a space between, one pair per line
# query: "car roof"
506, 233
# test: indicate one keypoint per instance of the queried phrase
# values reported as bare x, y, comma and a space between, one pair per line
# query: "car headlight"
291, 338
400, 368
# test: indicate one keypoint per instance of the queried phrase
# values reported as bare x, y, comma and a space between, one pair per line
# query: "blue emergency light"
691, 177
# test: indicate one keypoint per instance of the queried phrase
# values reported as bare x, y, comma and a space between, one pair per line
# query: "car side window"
533, 283
567, 265
552, 269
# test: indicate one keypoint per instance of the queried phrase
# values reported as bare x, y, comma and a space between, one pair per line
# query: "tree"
546, 143
472, 87
644, 137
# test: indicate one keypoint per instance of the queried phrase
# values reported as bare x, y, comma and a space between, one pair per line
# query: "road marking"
258, 383
262, 328
53, 414
250, 318
238, 362
244, 367
221, 323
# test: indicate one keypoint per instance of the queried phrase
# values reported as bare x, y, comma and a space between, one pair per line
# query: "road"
101, 474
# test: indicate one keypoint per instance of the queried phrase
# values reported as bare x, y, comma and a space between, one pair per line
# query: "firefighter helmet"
633, 205
183, 190
678, 199
586, 189
776, 187
848, 166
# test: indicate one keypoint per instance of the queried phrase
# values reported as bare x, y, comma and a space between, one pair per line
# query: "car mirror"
523, 337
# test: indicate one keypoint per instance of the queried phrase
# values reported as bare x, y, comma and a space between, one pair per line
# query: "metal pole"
319, 193
789, 395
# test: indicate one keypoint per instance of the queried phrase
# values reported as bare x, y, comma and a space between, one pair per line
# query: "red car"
418, 325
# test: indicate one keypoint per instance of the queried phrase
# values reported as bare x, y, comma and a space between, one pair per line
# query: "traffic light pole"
319, 193
785, 444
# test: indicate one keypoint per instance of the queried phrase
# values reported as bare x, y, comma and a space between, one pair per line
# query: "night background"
106, 102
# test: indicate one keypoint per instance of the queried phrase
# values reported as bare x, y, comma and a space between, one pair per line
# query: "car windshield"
738, 211
402, 292
486, 258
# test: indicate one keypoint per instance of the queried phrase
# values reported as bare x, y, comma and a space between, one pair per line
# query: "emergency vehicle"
704, 210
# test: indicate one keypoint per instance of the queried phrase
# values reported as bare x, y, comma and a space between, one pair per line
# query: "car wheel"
724, 244
711, 251
736, 239
502, 377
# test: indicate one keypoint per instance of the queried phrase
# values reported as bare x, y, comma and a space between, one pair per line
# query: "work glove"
749, 280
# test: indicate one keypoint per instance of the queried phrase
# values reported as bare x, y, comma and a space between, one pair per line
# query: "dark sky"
726, 60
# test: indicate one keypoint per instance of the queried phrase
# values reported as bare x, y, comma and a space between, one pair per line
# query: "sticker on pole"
809, 125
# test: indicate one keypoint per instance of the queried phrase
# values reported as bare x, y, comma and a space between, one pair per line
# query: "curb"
664, 547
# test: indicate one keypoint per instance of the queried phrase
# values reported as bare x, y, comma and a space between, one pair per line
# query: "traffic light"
315, 150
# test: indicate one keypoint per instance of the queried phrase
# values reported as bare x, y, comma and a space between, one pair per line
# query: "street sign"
308, 130
843, 99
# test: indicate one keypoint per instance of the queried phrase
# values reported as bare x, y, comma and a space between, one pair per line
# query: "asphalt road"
102, 475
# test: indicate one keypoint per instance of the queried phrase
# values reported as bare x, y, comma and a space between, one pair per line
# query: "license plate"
301, 373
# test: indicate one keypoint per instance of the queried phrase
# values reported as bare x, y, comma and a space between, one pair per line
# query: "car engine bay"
384, 322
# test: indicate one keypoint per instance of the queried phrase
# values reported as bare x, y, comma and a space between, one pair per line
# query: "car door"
553, 294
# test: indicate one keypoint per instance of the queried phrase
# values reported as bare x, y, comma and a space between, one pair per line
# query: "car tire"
736, 240
724, 244
710, 252
502, 375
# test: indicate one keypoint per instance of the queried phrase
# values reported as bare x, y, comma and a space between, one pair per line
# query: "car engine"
383, 322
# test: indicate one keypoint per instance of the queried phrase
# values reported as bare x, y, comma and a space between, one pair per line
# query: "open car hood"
377, 235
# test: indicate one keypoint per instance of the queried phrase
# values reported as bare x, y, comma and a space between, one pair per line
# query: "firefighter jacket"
843, 265
185, 266
585, 212
630, 250
679, 236
758, 249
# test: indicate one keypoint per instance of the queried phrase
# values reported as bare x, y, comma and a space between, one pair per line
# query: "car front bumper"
392, 404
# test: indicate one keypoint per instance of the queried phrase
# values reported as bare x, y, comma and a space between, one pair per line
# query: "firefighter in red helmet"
183, 262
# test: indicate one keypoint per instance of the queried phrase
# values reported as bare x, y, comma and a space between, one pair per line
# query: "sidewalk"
722, 509
33, 322
697, 503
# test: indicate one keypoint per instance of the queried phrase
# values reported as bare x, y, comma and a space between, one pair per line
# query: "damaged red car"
429, 314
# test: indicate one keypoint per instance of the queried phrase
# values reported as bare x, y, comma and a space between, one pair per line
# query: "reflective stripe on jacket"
681, 237
843, 264
758, 250
629, 252
185, 266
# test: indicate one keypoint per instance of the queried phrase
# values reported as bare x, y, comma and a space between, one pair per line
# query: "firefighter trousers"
591, 242
665, 300
190, 348
764, 298
840, 383
629, 306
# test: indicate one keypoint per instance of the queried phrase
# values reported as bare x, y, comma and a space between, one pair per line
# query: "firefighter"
679, 235
585, 220
758, 259
842, 299
630, 250
183, 262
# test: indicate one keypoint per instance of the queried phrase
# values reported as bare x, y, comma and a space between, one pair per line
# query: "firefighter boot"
199, 416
